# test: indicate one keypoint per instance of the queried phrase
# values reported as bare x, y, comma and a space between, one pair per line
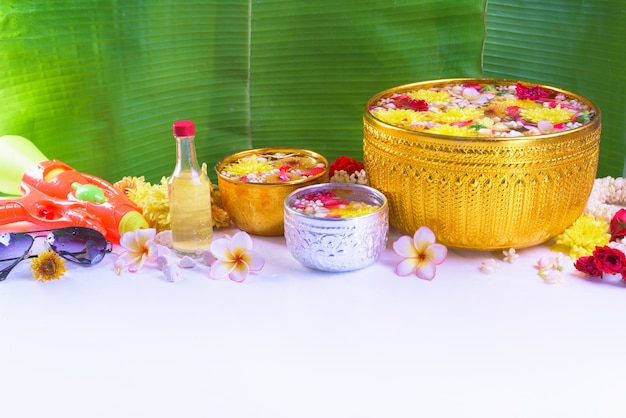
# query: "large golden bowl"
257, 208
482, 193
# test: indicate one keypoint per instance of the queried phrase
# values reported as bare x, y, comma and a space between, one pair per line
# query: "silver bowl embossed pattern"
337, 244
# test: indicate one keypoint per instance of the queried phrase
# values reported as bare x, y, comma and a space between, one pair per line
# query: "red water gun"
55, 195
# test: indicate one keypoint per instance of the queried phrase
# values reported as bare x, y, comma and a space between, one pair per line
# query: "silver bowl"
337, 244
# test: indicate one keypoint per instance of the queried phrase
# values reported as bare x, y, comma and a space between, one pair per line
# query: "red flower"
588, 266
349, 165
609, 260
618, 225
532, 93
407, 102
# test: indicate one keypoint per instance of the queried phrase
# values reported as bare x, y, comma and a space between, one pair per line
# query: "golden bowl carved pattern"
257, 208
482, 193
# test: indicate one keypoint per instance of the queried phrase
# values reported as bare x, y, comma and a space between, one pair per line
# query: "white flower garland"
342, 176
607, 197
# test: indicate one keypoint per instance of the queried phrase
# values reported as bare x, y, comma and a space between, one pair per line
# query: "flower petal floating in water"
421, 254
139, 247
235, 258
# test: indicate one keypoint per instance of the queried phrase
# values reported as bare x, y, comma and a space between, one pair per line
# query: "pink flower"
139, 247
532, 93
550, 268
234, 257
420, 253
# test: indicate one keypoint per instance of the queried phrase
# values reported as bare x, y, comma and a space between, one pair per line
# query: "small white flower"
618, 244
550, 263
550, 268
510, 255
489, 266
552, 277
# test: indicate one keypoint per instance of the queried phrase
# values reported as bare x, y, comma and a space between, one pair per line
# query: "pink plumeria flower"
139, 247
421, 254
234, 257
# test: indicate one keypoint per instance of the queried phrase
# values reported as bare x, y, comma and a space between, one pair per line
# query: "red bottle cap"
184, 128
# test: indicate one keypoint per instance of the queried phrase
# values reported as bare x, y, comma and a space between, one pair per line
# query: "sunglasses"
77, 244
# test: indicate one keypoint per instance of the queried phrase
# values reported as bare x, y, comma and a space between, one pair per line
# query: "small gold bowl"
482, 193
257, 208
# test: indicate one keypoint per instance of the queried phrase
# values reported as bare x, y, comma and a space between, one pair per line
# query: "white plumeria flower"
139, 247
421, 254
234, 257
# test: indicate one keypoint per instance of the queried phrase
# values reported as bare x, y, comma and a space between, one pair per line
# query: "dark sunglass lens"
13, 248
77, 244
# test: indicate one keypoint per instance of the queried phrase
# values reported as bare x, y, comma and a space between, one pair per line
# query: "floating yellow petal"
249, 165
552, 115
452, 130
431, 96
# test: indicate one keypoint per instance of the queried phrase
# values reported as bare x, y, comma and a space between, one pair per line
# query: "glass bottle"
190, 197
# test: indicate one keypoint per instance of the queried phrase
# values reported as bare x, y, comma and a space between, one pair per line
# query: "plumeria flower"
139, 247
421, 254
234, 257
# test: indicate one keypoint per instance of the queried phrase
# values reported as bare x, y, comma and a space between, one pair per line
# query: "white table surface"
293, 342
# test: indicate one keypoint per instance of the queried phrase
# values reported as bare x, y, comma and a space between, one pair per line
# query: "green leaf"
575, 45
97, 84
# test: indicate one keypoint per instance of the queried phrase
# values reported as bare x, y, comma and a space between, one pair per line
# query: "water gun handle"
12, 211
47, 212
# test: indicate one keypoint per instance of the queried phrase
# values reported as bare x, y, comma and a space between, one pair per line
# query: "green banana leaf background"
97, 84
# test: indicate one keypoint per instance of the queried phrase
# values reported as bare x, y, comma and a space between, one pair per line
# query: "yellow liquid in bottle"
190, 214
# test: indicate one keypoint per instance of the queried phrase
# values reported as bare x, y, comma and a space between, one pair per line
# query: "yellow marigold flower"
431, 96
48, 266
248, 165
452, 130
400, 117
552, 115
154, 202
129, 183
456, 114
582, 237
522, 104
